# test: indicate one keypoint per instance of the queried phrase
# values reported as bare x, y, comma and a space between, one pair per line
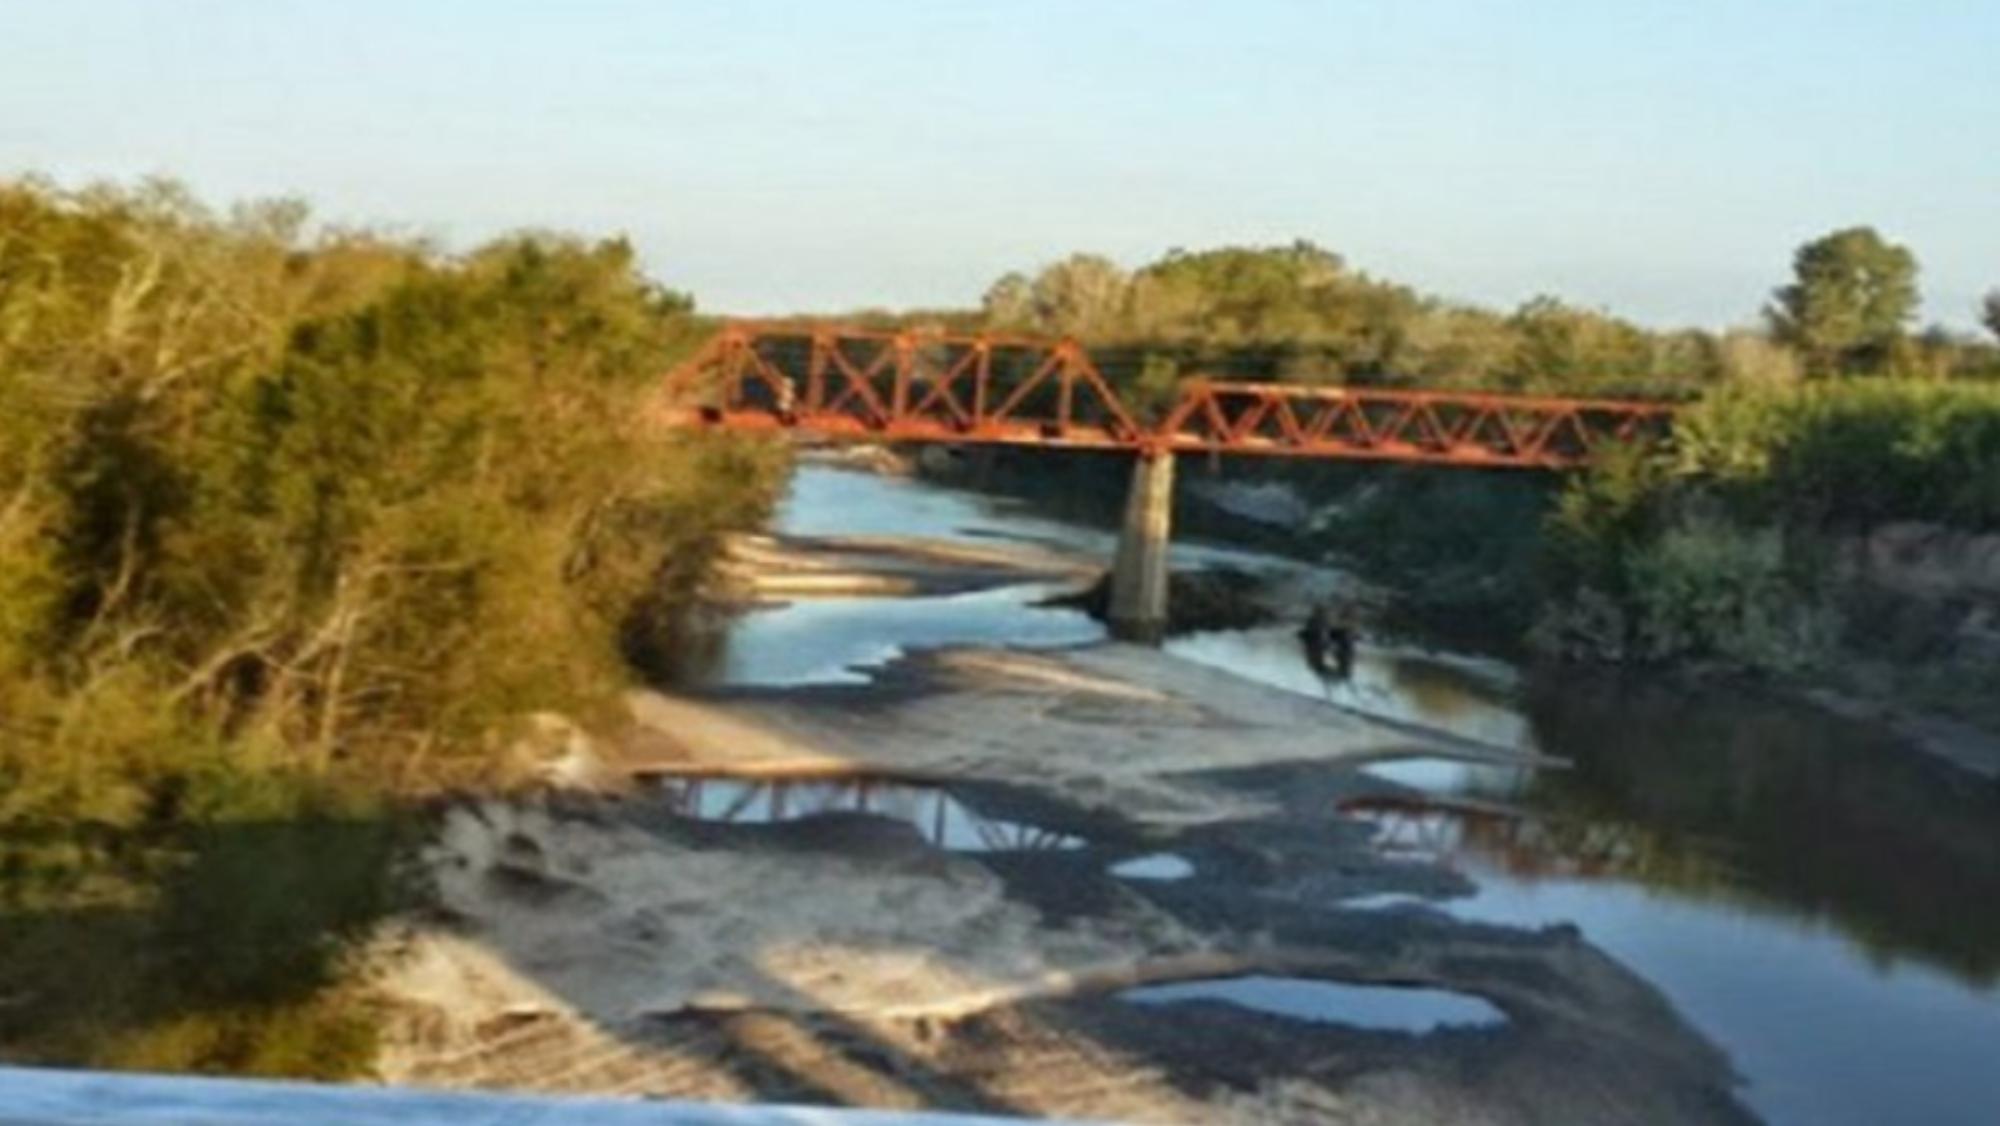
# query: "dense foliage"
1301, 313
294, 526
1717, 549
332, 504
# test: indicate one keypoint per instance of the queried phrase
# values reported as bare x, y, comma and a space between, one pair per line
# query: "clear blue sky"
1659, 159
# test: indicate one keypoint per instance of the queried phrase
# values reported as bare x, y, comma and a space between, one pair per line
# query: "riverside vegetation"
1796, 436
299, 525
295, 528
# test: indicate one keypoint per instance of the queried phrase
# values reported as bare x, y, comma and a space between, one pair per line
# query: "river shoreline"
910, 837
597, 940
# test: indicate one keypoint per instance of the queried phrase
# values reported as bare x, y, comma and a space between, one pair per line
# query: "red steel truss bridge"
837, 382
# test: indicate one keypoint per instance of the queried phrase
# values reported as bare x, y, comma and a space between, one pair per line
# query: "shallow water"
1821, 903
943, 820
1396, 1008
1456, 777
1154, 866
826, 501
844, 640
1465, 698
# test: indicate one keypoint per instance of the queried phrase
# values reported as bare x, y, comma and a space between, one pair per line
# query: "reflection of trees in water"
1726, 792
1509, 840
942, 820
1435, 690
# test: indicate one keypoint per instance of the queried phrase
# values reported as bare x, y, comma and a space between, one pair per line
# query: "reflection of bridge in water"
1511, 839
942, 820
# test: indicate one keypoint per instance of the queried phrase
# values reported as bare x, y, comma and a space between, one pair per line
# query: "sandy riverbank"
596, 941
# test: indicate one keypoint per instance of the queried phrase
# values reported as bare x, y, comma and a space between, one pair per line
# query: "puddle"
1385, 901
1154, 866
1451, 777
1419, 830
943, 820
1396, 1008
1499, 839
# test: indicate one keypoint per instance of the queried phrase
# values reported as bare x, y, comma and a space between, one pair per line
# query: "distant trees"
1561, 347
1300, 312
1851, 297
1077, 296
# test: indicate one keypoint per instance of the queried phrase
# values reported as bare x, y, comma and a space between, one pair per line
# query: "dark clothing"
1329, 647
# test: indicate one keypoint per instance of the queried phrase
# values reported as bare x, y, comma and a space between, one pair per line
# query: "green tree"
1991, 312
1010, 302
1561, 347
1852, 294
1083, 295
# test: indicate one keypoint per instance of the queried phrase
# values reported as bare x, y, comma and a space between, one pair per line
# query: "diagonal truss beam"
838, 382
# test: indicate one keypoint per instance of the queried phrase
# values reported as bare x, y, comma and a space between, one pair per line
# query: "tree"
1009, 302
1750, 357
1082, 295
1853, 292
1561, 347
1992, 312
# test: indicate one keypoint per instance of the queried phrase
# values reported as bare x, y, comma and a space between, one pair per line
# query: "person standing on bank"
1328, 644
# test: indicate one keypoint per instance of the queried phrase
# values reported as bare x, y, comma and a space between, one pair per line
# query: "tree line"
1300, 312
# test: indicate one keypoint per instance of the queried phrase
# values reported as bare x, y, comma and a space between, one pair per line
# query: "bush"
1709, 589
1707, 551
1852, 453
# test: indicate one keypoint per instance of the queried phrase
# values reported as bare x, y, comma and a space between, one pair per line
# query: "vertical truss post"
982, 374
906, 366
816, 362
1066, 394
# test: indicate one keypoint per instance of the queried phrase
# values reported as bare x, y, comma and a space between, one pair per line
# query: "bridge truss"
836, 382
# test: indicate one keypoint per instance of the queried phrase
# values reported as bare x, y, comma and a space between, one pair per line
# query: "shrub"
1708, 588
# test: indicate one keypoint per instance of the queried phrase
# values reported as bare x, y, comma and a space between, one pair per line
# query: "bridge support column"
1139, 575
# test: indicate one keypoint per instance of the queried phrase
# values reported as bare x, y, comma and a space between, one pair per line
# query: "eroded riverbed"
957, 832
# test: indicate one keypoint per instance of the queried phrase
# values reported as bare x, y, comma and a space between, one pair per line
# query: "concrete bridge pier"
1139, 575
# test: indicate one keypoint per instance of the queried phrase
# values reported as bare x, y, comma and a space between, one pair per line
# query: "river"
1821, 902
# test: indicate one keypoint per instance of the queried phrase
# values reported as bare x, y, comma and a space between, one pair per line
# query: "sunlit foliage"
327, 503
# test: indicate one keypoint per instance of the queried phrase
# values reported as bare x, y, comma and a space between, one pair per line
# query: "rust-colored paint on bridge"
838, 382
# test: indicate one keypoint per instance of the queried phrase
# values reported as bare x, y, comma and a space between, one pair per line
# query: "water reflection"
838, 640
1828, 819
1467, 699
1509, 841
1154, 866
1403, 1009
943, 820
1823, 902
1461, 777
